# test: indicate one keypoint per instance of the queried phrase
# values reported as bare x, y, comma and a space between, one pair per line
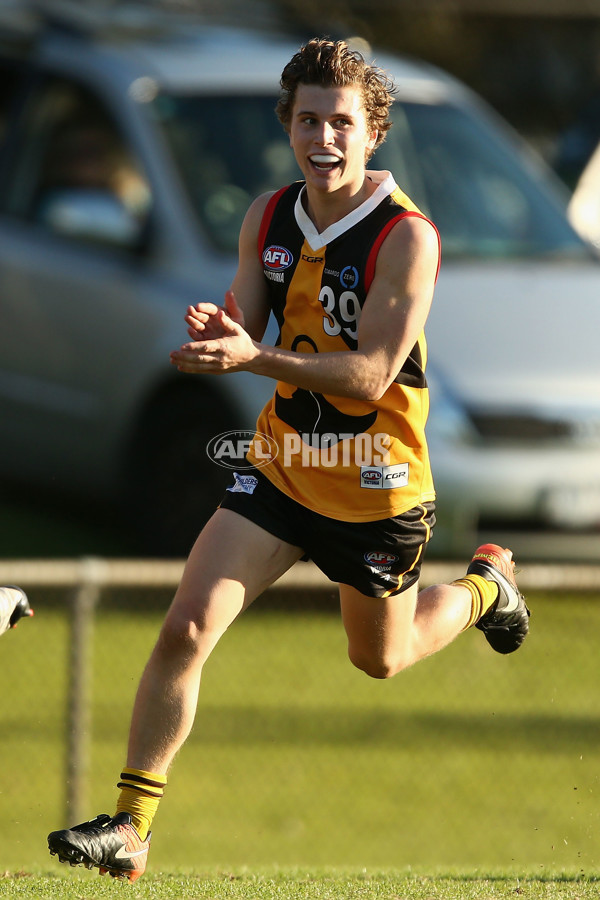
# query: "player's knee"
180, 635
379, 666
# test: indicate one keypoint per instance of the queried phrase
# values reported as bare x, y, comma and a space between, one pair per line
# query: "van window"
228, 150
484, 200
76, 175
485, 203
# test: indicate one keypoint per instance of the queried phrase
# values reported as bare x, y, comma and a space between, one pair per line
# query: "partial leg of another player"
14, 605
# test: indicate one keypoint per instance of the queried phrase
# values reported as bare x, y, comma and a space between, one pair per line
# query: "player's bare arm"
391, 321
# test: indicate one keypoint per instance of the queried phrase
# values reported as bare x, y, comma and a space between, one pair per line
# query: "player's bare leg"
390, 634
232, 562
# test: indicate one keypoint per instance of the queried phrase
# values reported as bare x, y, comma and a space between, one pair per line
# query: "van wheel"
174, 486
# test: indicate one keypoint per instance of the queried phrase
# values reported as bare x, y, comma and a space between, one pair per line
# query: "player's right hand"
204, 321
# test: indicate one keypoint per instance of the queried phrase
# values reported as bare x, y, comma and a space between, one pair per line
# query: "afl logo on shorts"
380, 558
277, 258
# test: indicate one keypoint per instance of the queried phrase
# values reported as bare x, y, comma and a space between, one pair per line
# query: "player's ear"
372, 140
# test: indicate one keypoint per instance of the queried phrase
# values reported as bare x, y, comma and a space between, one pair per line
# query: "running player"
347, 264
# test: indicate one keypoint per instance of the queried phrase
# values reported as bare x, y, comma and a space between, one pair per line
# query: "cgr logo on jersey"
277, 258
384, 477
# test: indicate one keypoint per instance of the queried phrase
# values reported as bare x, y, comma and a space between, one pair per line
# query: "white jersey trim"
385, 186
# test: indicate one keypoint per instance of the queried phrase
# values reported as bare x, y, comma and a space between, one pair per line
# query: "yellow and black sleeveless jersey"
352, 460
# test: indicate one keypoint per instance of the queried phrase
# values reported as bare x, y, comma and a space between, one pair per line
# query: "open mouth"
325, 162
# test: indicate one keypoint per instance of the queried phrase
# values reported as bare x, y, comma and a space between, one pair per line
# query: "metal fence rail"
105, 573
80, 587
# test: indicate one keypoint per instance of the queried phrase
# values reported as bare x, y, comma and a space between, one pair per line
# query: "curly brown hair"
333, 64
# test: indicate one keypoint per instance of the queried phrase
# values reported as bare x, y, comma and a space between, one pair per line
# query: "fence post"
83, 604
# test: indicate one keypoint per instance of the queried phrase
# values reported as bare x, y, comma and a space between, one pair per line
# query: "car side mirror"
96, 216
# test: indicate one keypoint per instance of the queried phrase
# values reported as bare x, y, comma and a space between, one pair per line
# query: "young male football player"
347, 264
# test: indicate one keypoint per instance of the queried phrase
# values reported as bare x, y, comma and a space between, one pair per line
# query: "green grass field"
305, 778
301, 885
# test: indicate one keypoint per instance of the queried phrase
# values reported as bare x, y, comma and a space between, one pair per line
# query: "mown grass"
301, 885
469, 762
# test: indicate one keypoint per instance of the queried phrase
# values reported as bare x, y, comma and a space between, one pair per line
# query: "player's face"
330, 136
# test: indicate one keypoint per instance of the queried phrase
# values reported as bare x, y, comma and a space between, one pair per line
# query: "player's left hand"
231, 351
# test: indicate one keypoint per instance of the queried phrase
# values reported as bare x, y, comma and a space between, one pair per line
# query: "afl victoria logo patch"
277, 258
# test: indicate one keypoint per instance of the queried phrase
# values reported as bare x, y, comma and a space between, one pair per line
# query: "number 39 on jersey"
341, 314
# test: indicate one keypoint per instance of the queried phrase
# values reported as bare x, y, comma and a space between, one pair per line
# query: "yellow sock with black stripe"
484, 594
140, 795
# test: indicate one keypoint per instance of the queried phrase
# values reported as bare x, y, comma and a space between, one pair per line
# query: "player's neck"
326, 208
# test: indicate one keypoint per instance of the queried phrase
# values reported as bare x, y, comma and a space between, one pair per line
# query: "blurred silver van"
127, 161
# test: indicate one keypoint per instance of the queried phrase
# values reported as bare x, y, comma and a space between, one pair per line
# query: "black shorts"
378, 558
